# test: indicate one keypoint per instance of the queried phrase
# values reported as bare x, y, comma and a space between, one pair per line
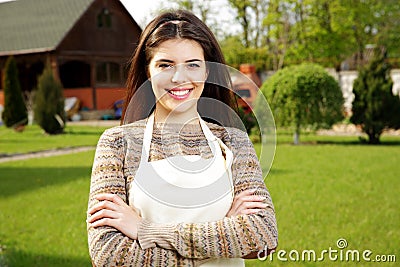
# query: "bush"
49, 103
375, 107
14, 113
248, 118
304, 96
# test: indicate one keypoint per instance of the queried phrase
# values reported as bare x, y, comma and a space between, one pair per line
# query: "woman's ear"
207, 73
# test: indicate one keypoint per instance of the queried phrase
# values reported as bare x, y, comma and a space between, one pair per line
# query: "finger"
242, 197
249, 206
250, 211
247, 192
110, 197
252, 198
104, 222
248, 195
103, 205
246, 199
252, 205
102, 214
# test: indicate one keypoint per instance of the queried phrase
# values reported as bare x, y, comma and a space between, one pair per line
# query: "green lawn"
43, 211
322, 191
33, 139
326, 192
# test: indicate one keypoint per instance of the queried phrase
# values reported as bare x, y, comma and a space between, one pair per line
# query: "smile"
179, 93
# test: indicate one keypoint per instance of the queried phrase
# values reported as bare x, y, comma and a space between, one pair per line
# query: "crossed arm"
116, 229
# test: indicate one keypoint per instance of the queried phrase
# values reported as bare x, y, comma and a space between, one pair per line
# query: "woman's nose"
179, 75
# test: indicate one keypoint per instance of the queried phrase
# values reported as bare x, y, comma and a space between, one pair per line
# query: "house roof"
29, 26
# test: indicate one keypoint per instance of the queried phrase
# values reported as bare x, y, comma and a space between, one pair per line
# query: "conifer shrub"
15, 113
49, 103
375, 107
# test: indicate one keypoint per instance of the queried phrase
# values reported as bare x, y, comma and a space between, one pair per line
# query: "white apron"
187, 189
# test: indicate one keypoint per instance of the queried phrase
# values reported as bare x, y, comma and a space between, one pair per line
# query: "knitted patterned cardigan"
116, 160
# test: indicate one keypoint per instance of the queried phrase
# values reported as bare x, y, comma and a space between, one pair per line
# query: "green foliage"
375, 107
319, 31
303, 96
248, 119
15, 113
49, 103
236, 53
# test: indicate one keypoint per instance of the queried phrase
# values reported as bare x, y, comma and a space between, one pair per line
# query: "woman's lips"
180, 94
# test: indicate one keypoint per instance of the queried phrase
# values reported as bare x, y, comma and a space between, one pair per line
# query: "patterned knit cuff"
156, 234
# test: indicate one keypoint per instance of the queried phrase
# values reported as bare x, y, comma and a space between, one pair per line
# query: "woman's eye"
165, 66
193, 65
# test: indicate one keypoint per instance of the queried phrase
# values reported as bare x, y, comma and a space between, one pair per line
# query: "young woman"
176, 185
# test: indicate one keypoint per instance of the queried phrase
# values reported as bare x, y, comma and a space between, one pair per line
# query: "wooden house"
88, 44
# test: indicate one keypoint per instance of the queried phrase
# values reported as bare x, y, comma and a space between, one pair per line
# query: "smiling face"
177, 72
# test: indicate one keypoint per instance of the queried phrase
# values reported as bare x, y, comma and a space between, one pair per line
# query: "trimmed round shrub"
304, 96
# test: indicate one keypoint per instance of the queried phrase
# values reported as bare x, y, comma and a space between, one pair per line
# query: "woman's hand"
113, 211
246, 203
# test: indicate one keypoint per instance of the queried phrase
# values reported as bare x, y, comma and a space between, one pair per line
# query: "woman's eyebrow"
171, 61
164, 60
193, 60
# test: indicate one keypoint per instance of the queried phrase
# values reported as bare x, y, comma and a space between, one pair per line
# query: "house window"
108, 73
104, 19
243, 92
114, 73
75, 74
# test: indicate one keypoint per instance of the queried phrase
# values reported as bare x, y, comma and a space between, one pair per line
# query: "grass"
43, 211
323, 190
326, 192
33, 138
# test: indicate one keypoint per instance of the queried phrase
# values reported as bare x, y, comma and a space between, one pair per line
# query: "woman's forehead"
178, 50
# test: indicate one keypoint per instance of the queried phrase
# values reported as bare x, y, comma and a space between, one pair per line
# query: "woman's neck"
188, 117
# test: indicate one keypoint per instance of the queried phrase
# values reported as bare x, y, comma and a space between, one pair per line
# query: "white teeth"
179, 93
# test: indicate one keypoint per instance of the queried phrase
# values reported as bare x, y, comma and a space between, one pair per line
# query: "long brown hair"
184, 25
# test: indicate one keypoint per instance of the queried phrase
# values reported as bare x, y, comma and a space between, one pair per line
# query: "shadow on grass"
274, 171
361, 143
23, 259
343, 142
83, 132
16, 180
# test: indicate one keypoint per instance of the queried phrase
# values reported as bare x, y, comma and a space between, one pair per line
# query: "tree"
15, 114
303, 96
243, 16
375, 107
49, 103
278, 27
236, 54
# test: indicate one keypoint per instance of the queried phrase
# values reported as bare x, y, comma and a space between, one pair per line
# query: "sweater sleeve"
230, 237
108, 246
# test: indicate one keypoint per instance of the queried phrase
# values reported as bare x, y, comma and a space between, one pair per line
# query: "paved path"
95, 123
337, 130
60, 151
45, 153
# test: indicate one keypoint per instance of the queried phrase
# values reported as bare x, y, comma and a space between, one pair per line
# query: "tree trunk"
373, 137
296, 136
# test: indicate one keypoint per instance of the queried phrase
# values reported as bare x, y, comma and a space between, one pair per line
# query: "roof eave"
27, 51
